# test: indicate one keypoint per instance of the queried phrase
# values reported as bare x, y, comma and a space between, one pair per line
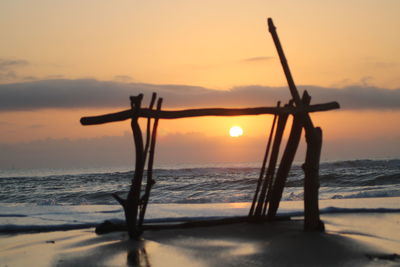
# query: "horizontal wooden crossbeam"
186, 113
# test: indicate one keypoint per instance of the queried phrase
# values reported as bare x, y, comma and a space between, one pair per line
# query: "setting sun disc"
236, 131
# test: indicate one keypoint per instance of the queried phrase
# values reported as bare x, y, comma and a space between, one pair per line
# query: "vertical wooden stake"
150, 181
312, 220
272, 163
262, 171
133, 199
287, 160
148, 130
131, 204
314, 142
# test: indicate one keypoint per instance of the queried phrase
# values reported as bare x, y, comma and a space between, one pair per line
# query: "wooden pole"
313, 139
131, 204
271, 176
312, 220
272, 163
308, 125
146, 148
286, 161
262, 171
178, 114
148, 130
150, 181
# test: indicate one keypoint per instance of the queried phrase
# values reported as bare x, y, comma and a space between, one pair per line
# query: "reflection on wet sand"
138, 258
238, 244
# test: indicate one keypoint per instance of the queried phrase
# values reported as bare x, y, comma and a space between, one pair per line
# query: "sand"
350, 240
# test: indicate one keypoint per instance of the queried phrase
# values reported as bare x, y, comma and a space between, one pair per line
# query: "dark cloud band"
89, 93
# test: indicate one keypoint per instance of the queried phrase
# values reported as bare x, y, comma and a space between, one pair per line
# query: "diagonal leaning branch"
312, 220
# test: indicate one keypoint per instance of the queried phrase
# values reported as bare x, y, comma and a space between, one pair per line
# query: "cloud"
359, 97
7, 69
379, 64
91, 93
6, 64
36, 126
6, 123
123, 78
256, 59
54, 76
172, 150
67, 153
7, 75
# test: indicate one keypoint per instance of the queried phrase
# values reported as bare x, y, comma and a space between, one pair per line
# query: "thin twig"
260, 178
150, 181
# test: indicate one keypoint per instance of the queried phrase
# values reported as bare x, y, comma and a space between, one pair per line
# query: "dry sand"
269, 244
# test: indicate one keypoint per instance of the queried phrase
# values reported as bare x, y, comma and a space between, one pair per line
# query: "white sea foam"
25, 217
77, 200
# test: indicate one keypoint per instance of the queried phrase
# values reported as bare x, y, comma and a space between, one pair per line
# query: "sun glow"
236, 131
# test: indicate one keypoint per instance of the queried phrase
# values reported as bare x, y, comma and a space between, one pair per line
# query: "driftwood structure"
270, 185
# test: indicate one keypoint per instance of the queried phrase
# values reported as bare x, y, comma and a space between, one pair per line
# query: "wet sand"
350, 240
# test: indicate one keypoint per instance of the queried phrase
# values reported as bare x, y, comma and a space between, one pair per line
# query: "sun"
236, 131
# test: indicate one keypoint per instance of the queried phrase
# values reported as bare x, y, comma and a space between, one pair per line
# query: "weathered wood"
312, 220
131, 204
150, 181
286, 161
271, 189
285, 66
109, 226
262, 171
148, 130
187, 113
207, 223
307, 123
313, 138
272, 164
271, 171
133, 199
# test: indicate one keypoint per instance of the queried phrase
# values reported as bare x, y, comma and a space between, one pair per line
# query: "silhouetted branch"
119, 199
148, 130
262, 171
262, 200
150, 181
287, 160
312, 220
177, 114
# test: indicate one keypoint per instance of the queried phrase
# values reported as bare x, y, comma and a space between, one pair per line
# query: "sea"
50, 200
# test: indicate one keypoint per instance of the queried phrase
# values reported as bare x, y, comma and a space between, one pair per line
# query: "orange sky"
207, 43
218, 45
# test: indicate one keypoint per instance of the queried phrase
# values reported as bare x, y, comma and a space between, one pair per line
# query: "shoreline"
35, 218
350, 240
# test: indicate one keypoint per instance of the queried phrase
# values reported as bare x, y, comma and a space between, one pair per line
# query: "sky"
61, 60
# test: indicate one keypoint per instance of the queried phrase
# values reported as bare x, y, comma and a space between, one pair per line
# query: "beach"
351, 239
199, 133
49, 219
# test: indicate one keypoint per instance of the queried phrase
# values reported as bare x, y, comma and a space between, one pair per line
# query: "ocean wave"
344, 179
369, 194
362, 163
